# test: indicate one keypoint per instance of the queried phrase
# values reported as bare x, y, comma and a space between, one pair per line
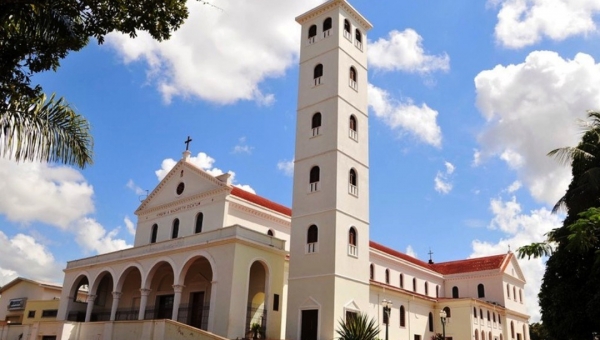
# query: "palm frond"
535, 250
567, 154
358, 327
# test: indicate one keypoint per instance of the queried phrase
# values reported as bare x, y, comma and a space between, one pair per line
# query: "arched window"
372, 272
387, 276
199, 220
501, 337
353, 132
447, 310
347, 30
426, 288
431, 322
327, 24
520, 296
312, 237
512, 330
318, 74
482, 335
437, 291
358, 40
480, 290
353, 83
352, 186
270, 232
475, 312
402, 317
352, 249
488, 315
455, 292
401, 280
515, 293
494, 317
175, 230
507, 291
476, 335
490, 335
312, 33
481, 313
316, 123
499, 320
315, 176
414, 284
153, 233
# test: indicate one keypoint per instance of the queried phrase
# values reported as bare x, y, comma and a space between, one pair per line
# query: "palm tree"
358, 327
36, 129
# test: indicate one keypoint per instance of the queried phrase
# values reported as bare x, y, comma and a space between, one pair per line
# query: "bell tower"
329, 249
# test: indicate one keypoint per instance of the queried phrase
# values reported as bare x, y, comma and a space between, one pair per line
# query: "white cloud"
420, 122
287, 167
532, 108
442, 179
519, 229
204, 162
476, 158
516, 185
403, 51
242, 147
449, 168
138, 191
23, 256
411, 252
221, 55
55, 195
526, 22
129, 225
92, 237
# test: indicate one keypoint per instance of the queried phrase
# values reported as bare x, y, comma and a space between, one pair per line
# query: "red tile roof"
248, 196
451, 267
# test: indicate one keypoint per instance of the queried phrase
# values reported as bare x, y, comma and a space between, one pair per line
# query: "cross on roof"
430, 253
187, 143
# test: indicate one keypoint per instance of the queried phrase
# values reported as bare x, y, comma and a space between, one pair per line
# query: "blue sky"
466, 98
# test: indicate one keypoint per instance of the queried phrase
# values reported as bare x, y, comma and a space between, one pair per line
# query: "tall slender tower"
329, 250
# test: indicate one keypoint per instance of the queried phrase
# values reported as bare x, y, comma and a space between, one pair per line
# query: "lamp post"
387, 308
443, 319
595, 336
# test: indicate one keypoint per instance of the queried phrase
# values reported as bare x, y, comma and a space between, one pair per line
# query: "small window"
312, 33
318, 74
520, 296
386, 316
347, 30
507, 291
49, 313
490, 336
371, 272
426, 288
353, 83
387, 276
270, 232
494, 317
327, 24
488, 316
199, 220
315, 175
430, 322
455, 292
175, 230
316, 123
476, 335
353, 187
312, 237
482, 335
352, 249
353, 133
515, 293
512, 330
401, 280
31, 314
414, 284
437, 291
447, 310
153, 233
480, 290
402, 317
475, 312
480, 313
276, 302
358, 35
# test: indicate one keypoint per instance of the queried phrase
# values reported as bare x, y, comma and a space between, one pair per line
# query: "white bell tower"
329, 250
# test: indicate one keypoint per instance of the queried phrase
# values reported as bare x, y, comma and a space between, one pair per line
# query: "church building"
216, 258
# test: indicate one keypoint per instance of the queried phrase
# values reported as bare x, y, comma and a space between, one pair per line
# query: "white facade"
217, 258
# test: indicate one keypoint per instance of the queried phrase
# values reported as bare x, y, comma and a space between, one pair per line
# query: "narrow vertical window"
199, 220
352, 250
414, 284
352, 185
327, 24
312, 33
175, 229
426, 288
447, 310
475, 312
401, 280
430, 322
476, 335
437, 291
153, 233
481, 313
520, 296
316, 124
318, 74
480, 290
402, 317
352, 77
372, 272
276, 302
315, 175
353, 131
455, 292
270, 232
515, 293
387, 276
482, 335
507, 291
312, 237
347, 29
512, 330
358, 40
488, 316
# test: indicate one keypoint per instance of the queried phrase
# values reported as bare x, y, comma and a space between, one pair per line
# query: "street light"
443, 318
387, 308
595, 336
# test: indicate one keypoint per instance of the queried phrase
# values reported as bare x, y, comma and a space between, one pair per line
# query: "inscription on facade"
178, 209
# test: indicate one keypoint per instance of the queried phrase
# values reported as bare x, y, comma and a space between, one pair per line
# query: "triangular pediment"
511, 267
310, 303
184, 181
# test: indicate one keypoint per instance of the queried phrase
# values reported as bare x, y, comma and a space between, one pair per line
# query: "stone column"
115, 305
143, 302
90, 307
177, 289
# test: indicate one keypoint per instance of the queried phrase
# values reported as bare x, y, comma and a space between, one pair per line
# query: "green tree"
34, 36
569, 295
358, 327
537, 331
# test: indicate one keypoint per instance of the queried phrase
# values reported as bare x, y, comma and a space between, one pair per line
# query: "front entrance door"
165, 306
196, 310
310, 322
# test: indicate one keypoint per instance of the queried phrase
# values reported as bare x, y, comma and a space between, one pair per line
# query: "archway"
129, 286
102, 291
256, 315
77, 305
195, 297
162, 294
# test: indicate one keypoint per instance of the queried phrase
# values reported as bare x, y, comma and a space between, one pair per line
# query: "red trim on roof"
248, 196
451, 267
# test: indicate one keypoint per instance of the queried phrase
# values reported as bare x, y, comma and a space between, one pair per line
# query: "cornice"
255, 212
